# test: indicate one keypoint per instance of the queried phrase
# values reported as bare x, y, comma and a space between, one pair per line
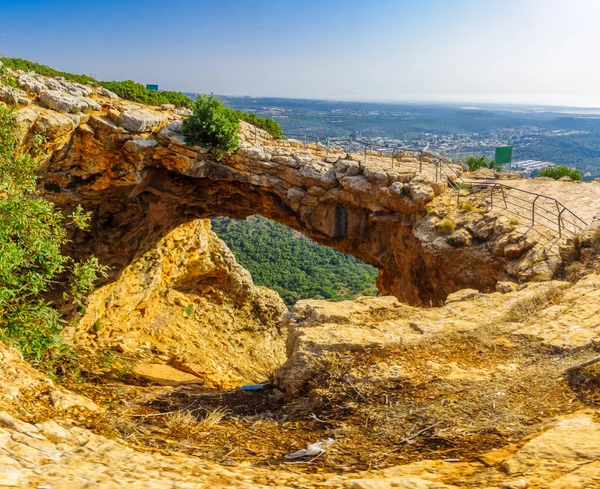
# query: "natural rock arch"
131, 166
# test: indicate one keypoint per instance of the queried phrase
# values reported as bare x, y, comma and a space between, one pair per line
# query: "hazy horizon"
533, 52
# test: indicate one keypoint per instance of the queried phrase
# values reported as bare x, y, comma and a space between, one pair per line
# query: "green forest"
293, 265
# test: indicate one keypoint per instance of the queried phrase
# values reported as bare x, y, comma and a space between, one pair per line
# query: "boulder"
141, 120
138, 144
63, 102
420, 193
30, 84
296, 194
10, 95
458, 238
463, 295
375, 176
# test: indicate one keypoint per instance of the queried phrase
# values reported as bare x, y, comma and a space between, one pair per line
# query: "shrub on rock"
212, 125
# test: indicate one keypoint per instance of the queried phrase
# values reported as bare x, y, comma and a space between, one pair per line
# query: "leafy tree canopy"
32, 234
293, 265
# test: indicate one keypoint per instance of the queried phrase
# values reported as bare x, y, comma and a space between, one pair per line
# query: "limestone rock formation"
317, 328
130, 165
187, 304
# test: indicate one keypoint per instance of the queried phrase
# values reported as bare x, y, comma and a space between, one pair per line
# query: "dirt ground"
453, 399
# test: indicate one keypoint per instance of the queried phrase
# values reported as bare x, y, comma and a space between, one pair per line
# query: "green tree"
212, 125
32, 234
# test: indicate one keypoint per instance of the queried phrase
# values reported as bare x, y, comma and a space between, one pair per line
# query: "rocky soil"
474, 394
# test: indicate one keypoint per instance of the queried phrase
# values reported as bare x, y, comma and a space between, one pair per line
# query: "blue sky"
537, 51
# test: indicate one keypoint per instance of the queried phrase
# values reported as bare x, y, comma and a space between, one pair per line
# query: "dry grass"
446, 226
529, 306
467, 207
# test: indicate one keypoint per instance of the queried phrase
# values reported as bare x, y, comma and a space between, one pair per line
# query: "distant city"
540, 136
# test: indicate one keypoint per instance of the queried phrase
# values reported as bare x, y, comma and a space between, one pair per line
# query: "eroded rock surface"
188, 305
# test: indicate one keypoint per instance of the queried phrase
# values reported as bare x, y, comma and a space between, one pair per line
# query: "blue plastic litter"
252, 387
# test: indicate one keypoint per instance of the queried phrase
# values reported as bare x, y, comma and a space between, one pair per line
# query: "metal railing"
537, 209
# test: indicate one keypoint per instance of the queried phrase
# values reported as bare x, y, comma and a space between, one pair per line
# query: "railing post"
504, 198
533, 210
559, 218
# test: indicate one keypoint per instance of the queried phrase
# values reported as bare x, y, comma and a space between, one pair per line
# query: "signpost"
154, 88
503, 156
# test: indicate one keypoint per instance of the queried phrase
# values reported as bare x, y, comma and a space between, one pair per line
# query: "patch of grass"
137, 92
268, 124
514, 222
467, 207
530, 305
188, 311
446, 226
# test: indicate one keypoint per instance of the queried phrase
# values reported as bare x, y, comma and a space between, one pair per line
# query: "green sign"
503, 155
154, 88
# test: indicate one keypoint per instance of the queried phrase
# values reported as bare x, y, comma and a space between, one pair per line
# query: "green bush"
268, 124
212, 125
26, 65
137, 92
481, 161
557, 172
32, 235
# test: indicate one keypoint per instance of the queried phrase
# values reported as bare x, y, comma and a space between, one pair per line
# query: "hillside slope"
292, 264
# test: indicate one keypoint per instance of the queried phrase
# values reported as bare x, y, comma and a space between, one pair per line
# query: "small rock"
459, 238
165, 375
63, 401
397, 189
108, 93
296, 194
463, 295
506, 287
